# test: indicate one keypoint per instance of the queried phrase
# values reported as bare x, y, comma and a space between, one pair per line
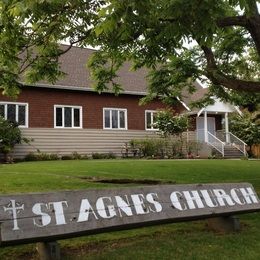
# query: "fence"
256, 150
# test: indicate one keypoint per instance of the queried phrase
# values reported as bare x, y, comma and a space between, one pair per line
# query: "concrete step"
232, 152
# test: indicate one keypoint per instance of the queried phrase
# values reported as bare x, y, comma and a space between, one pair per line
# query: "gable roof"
77, 77
73, 64
199, 93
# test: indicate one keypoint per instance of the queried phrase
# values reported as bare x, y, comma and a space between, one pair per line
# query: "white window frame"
152, 118
72, 114
16, 111
110, 110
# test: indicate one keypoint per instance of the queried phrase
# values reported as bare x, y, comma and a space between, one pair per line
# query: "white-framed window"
115, 118
150, 119
15, 112
67, 116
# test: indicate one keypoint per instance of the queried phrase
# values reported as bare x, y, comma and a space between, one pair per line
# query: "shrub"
97, 156
84, 157
39, 156
193, 147
175, 148
53, 157
168, 124
31, 157
10, 135
109, 155
66, 157
247, 128
151, 147
76, 156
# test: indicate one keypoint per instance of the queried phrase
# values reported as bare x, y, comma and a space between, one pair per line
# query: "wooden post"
48, 250
224, 224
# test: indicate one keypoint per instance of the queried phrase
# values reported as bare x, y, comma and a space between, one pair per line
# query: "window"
15, 112
115, 118
67, 116
150, 120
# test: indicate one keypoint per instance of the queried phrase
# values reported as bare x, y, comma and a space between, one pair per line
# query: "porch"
211, 127
226, 144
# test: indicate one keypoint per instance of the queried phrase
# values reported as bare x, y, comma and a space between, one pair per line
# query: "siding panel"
83, 141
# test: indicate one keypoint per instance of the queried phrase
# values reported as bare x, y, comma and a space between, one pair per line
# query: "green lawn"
189, 240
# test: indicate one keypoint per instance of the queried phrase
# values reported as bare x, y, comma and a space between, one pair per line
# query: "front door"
200, 127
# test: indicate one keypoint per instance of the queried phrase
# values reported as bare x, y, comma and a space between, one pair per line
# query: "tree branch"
219, 78
251, 23
232, 21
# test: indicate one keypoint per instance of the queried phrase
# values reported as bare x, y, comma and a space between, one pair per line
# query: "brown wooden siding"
41, 106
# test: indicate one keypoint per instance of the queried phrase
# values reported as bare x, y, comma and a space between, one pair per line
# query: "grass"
189, 240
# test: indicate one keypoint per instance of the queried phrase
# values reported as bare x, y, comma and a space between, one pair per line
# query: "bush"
151, 147
39, 156
53, 157
76, 156
168, 147
109, 155
175, 148
10, 135
84, 157
66, 157
170, 124
31, 157
193, 147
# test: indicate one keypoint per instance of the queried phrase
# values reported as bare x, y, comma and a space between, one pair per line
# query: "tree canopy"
247, 127
179, 41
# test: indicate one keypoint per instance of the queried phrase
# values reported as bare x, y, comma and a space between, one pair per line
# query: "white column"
205, 127
227, 128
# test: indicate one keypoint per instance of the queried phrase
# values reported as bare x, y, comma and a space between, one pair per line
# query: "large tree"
179, 41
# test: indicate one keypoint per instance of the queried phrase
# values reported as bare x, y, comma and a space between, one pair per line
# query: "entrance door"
200, 127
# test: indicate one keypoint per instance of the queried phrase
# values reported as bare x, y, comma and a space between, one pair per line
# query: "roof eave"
85, 89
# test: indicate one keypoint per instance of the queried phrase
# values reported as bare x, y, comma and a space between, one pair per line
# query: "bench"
47, 217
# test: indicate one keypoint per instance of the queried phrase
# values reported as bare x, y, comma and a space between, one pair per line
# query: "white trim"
87, 89
238, 110
16, 111
185, 105
152, 118
72, 116
199, 113
110, 109
227, 128
205, 127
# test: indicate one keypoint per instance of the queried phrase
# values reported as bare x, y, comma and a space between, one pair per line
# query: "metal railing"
238, 143
212, 140
232, 140
218, 140
216, 143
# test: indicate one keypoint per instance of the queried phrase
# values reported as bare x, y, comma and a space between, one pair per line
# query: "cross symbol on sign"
15, 209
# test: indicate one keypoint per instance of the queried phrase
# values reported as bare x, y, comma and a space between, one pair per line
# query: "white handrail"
241, 141
221, 150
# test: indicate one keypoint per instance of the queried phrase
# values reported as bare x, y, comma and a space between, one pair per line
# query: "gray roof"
77, 77
199, 93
